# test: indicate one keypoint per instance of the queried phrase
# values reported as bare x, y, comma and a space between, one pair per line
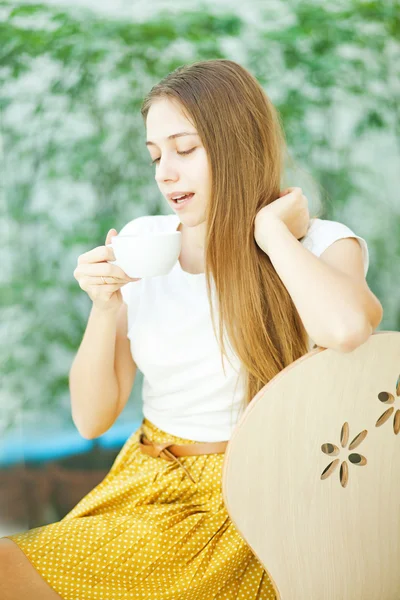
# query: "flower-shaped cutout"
354, 458
388, 398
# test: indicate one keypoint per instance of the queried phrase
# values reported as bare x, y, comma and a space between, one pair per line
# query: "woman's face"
175, 171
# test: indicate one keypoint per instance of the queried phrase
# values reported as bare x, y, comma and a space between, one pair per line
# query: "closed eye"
187, 152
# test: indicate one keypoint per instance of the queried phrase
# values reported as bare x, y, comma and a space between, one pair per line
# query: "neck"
191, 257
194, 236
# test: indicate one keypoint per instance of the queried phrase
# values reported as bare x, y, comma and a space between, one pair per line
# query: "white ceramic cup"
146, 255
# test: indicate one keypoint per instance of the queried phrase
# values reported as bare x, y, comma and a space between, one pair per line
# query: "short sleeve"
322, 233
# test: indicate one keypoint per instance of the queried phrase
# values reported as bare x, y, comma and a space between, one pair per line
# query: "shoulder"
323, 232
150, 224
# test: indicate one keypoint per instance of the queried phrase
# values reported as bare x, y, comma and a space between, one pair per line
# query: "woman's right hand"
92, 266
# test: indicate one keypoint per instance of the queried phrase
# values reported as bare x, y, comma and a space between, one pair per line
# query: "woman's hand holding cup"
92, 266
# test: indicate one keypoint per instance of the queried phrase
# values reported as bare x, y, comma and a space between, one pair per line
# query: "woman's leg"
19, 580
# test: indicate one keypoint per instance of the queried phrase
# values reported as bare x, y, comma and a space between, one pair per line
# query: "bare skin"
19, 580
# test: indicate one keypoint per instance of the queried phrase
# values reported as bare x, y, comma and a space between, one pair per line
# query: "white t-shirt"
185, 390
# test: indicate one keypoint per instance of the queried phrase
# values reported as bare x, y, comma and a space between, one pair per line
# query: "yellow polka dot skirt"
148, 532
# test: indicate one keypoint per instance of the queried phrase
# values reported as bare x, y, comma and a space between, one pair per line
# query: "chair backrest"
311, 475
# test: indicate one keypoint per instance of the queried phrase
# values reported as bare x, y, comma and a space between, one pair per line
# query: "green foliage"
75, 162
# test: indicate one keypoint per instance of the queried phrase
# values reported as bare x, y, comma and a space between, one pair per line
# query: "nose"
166, 171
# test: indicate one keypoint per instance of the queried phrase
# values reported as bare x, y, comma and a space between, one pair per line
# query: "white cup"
146, 255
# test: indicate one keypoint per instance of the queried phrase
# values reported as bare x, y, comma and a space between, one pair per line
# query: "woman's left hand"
291, 208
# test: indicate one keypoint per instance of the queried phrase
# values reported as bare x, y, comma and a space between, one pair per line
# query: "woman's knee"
18, 577
8, 555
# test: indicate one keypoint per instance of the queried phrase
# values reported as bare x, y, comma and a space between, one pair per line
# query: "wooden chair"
311, 475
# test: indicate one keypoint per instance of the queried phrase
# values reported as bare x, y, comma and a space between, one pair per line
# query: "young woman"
273, 279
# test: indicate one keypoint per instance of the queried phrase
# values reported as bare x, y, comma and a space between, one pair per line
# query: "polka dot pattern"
148, 532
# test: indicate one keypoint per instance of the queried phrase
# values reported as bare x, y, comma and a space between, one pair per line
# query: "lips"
175, 194
184, 202
182, 198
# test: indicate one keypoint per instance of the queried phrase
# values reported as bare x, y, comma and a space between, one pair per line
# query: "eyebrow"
173, 136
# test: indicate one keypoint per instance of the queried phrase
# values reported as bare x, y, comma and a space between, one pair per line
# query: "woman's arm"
335, 304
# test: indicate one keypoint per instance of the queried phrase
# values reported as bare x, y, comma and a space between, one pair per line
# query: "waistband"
171, 451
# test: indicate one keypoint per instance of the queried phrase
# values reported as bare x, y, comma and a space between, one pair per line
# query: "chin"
191, 218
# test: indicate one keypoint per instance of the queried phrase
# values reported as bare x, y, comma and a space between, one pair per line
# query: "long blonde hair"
242, 134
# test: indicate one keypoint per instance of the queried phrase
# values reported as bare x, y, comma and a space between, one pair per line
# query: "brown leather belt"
171, 451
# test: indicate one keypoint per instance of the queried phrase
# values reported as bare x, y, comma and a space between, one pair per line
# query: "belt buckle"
156, 449
162, 449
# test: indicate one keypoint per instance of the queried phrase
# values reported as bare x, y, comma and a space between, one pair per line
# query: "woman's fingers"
97, 255
101, 269
88, 281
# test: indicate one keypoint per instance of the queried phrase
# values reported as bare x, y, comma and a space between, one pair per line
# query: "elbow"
361, 329
87, 436
83, 431
95, 431
346, 346
350, 340
349, 337
377, 315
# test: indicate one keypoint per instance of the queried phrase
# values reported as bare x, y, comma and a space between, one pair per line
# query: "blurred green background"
74, 162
